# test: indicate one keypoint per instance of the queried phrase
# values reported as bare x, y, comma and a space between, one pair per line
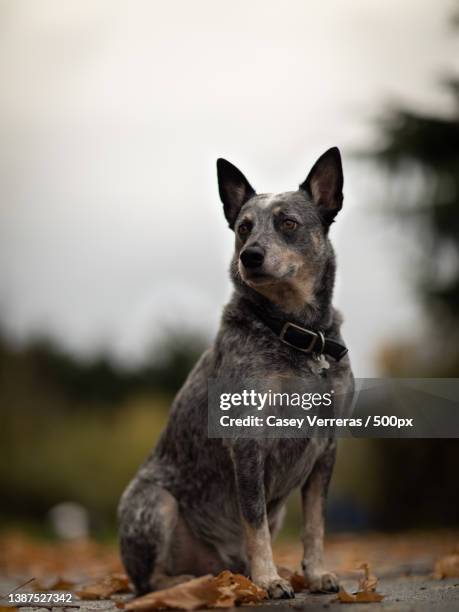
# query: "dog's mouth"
256, 278
259, 280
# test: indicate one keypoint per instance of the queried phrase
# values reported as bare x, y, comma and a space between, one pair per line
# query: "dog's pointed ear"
324, 184
234, 189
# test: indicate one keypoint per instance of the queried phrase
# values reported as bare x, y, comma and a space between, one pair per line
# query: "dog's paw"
277, 588
322, 582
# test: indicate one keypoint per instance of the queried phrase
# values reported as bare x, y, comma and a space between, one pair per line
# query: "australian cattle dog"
199, 505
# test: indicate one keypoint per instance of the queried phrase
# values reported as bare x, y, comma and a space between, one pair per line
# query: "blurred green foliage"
101, 380
78, 430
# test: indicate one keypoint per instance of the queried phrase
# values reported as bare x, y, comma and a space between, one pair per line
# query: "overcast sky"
112, 115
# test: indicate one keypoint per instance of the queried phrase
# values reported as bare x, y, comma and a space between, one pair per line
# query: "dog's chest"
288, 464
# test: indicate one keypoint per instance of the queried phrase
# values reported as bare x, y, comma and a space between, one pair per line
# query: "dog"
198, 504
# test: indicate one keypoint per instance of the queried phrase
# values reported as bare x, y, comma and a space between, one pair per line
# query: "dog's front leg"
249, 471
314, 495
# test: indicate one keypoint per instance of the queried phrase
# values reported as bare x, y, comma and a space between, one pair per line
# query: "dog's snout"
252, 257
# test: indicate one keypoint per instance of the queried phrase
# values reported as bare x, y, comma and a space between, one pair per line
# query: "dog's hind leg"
147, 517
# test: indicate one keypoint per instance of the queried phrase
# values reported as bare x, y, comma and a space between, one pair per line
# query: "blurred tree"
46, 369
420, 156
64, 417
422, 151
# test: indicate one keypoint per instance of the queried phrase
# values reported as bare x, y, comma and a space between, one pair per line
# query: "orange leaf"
61, 584
115, 583
359, 597
197, 593
345, 597
447, 567
224, 591
366, 592
297, 580
368, 582
56, 584
243, 589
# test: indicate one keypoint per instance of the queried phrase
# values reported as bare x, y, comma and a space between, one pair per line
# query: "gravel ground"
401, 595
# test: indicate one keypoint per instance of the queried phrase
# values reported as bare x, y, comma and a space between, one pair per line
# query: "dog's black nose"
252, 257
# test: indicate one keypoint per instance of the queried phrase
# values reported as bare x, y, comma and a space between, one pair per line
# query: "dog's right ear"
234, 189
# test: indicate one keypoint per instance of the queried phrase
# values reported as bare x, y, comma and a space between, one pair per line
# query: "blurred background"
114, 250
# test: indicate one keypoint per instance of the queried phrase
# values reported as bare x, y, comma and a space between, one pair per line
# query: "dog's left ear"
324, 184
234, 189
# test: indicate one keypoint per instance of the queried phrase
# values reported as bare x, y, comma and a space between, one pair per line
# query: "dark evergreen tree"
420, 155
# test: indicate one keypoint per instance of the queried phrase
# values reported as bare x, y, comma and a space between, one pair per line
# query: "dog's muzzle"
252, 257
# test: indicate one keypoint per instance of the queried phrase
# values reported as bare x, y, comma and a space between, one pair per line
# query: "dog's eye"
243, 229
289, 225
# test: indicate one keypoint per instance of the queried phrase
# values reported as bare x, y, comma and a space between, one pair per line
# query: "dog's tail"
147, 515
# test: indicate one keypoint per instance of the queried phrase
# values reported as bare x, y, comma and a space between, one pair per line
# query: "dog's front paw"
277, 588
322, 582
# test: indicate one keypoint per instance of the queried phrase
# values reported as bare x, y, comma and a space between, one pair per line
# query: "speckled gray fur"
200, 505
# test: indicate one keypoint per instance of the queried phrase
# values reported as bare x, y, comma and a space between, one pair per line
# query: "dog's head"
282, 241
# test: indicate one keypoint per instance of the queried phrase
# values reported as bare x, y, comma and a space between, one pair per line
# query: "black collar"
303, 339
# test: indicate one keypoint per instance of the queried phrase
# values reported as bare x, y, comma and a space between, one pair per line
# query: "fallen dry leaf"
448, 566
8, 609
367, 589
368, 582
114, 583
56, 584
223, 591
297, 580
197, 593
359, 597
243, 589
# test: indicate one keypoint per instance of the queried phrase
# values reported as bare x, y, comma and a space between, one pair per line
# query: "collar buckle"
300, 332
